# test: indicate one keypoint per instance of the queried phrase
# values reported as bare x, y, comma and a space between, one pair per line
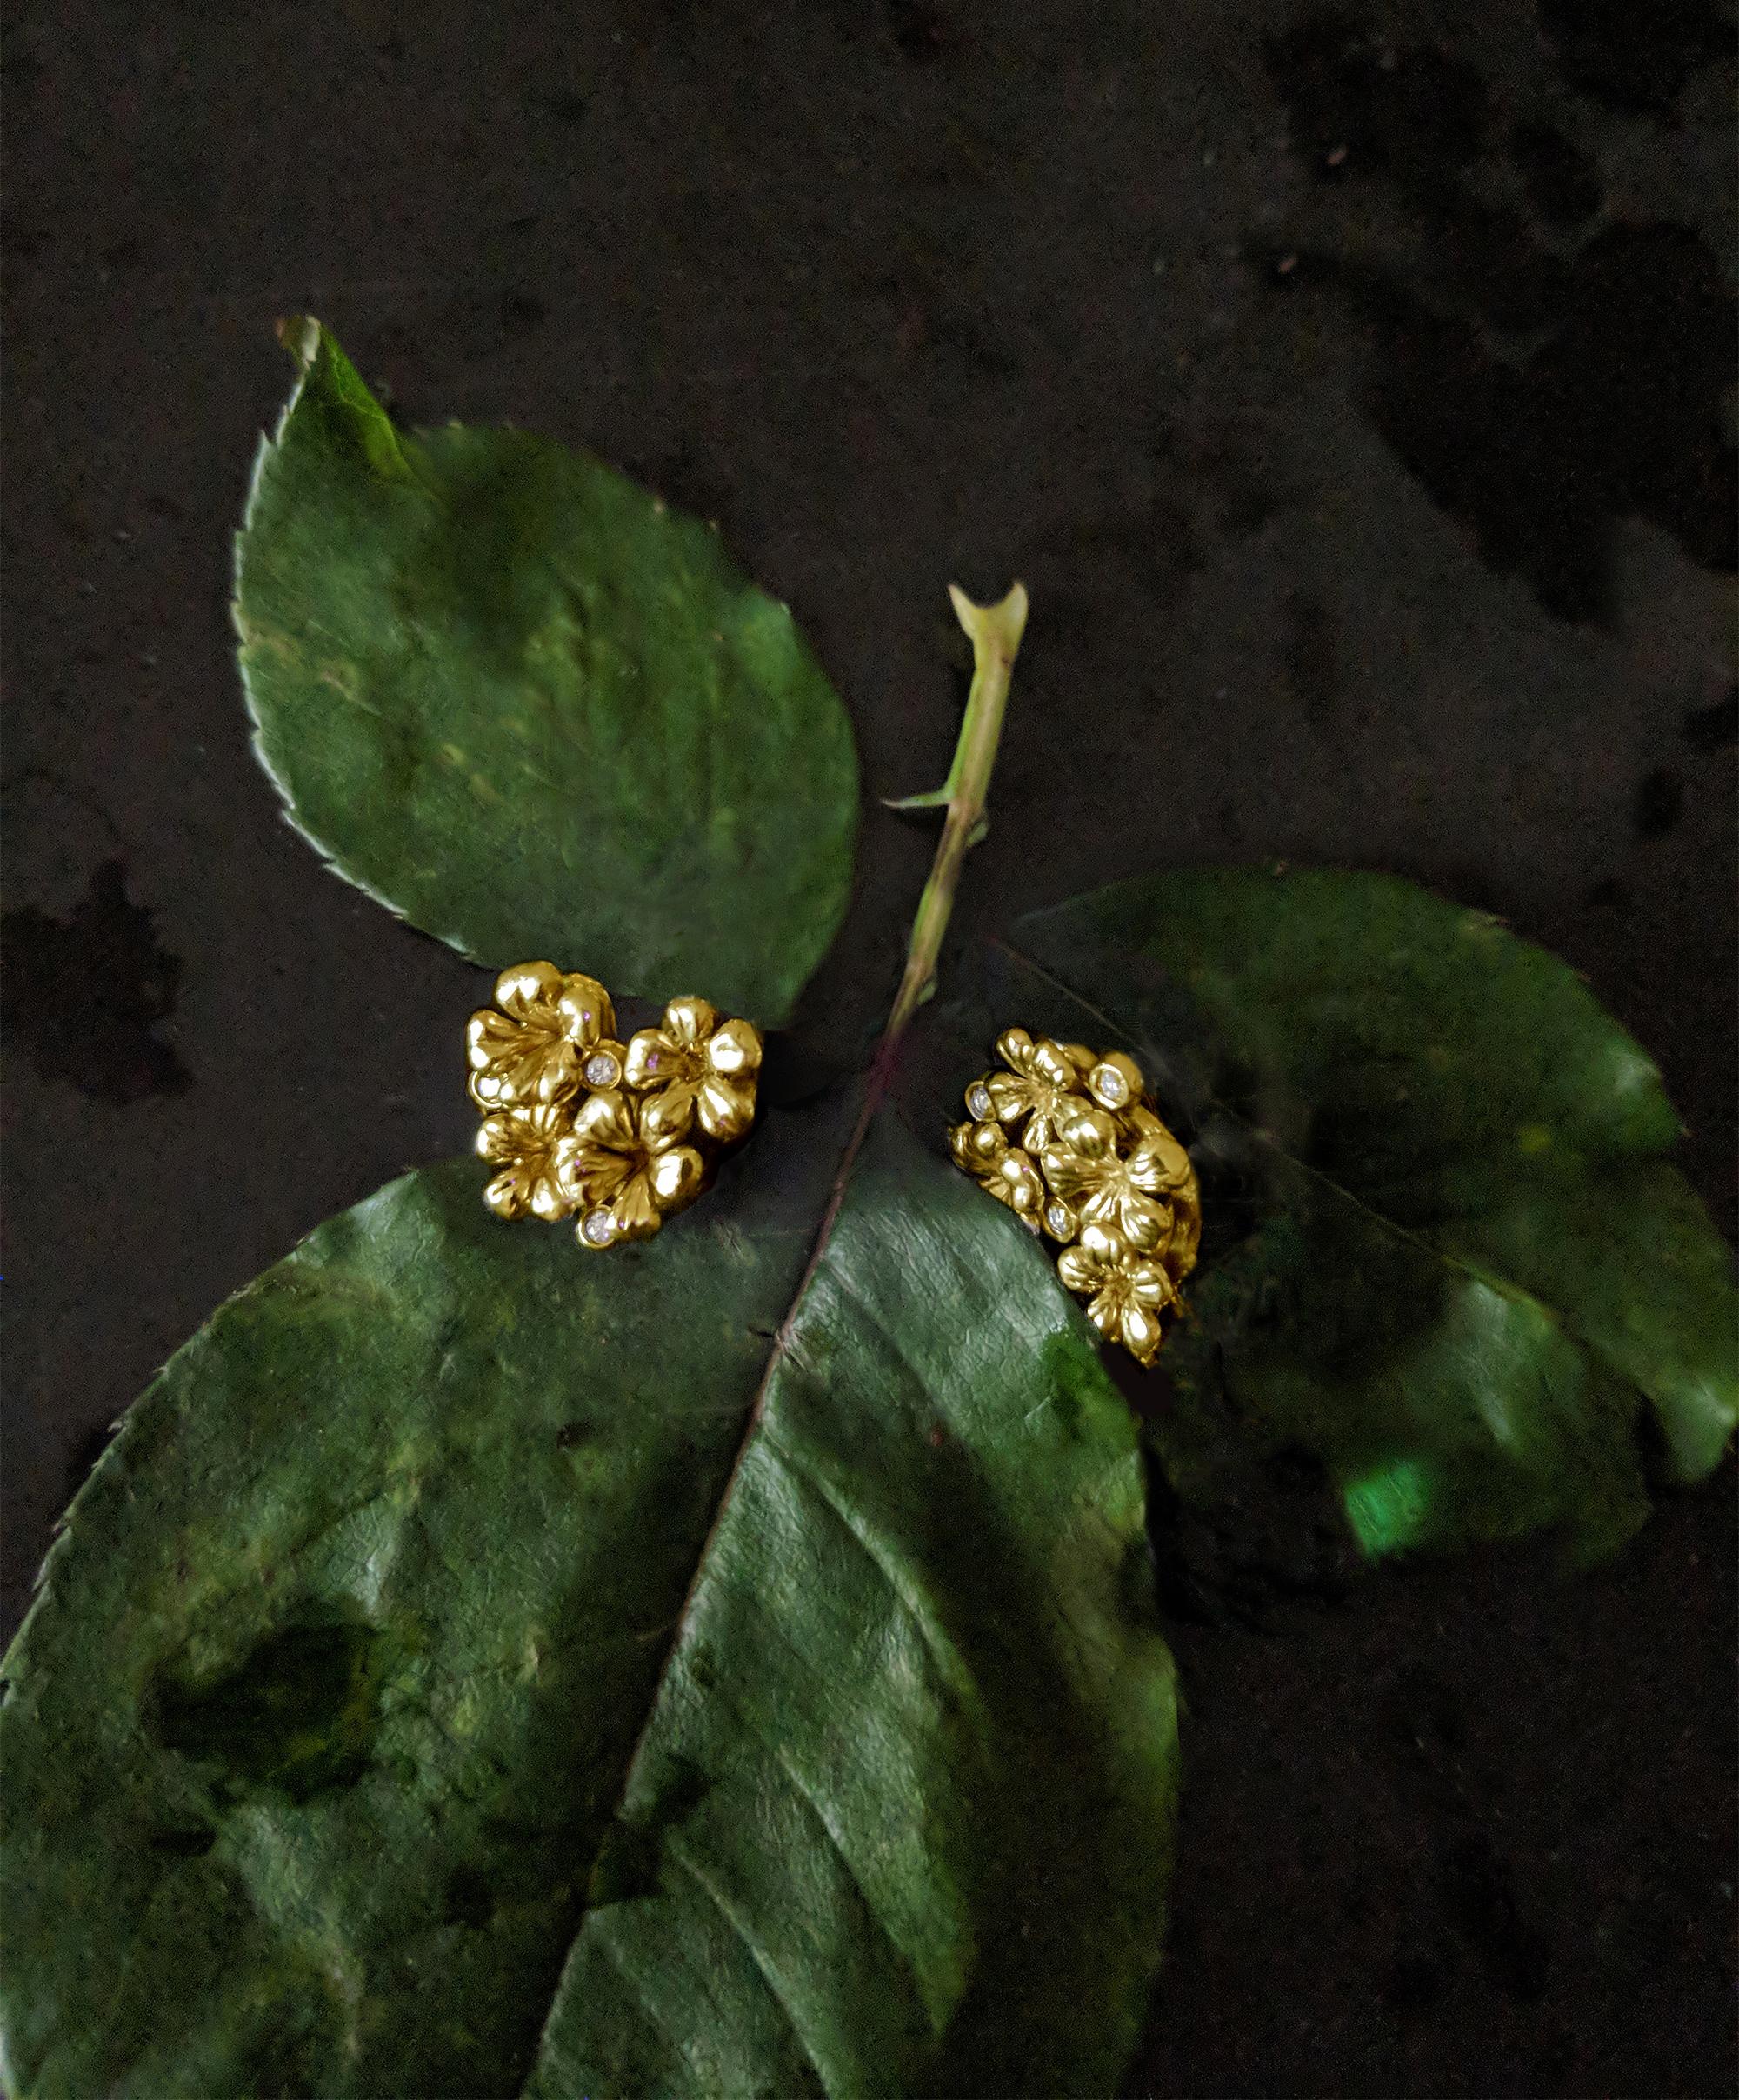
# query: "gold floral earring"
1072, 1143
577, 1123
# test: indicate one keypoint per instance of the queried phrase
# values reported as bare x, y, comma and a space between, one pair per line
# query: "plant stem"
995, 632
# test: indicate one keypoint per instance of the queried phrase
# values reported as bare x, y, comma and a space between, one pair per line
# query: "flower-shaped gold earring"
575, 1121
1069, 1141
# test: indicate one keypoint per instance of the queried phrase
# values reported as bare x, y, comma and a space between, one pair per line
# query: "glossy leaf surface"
1447, 1252
426, 1698
533, 711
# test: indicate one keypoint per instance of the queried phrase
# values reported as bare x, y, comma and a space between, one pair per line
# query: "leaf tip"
300, 335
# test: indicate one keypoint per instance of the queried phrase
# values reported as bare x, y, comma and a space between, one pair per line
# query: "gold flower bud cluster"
617, 1134
1071, 1142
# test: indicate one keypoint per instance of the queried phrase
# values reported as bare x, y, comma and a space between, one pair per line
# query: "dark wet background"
1353, 390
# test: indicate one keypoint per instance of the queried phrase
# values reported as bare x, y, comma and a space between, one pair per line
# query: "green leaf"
479, 1668
1446, 1253
531, 709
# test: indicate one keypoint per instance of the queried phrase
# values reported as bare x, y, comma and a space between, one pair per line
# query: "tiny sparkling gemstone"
601, 1070
1058, 1219
1113, 1086
598, 1228
978, 1100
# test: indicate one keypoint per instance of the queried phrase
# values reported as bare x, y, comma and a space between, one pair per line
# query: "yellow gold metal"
624, 1134
524, 1144
1125, 1293
537, 1047
1000, 1169
616, 1170
702, 1068
1093, 1166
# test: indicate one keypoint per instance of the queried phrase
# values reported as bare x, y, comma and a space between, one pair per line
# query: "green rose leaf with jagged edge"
729, 1665
724, 1666
477, 1668
530, 708
1446, 1253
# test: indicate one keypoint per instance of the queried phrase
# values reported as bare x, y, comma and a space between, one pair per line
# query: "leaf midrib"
874, 1092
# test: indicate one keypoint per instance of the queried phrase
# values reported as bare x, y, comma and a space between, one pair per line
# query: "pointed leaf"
533, 711
1446, 1251
479, 1667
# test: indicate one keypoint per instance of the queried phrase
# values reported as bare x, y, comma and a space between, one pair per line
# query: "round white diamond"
1059, 1220
599, 1229
1113, 1086
979, 1102
601, 1069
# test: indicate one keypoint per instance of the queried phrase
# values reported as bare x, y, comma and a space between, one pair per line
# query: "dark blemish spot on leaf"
1609, 895
936, 1437
85, 995
1634, 59
1312, 668
468, 1898
627, 1865
183, 1844
1561, 179
1481, 1903
1615, 412
1707, 730
521, 313
298, 1715
1660, 803
573, 1434
626, 1868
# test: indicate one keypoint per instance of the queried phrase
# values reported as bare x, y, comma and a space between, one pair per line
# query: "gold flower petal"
727, 1108
505, 1196
584, 1008
1014, 1180
1079, 1273
689, 1021
635, 1215
548, 1201
978, 1146
497, 1141
676, 1177
1089, 1133
1050, 1063
666, 1116
1011, 1097
593, 1176
1145, 1224
528, 990
735, 1049
1137, 1328
1070, 1174
652, 1059
1015, 1048
607, 1119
